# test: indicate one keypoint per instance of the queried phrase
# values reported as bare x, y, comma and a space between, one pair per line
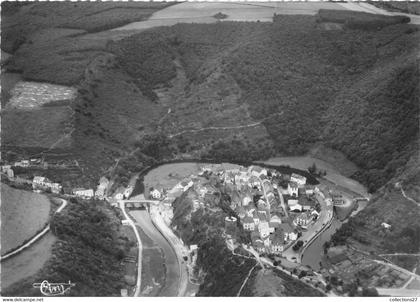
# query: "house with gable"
277, 242
289, 232
248, 224
299, 179
256, 218
84, 193
260, 246
293, 189
303, 220
306, 203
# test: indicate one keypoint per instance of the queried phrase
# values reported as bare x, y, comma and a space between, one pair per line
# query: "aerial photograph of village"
210, 149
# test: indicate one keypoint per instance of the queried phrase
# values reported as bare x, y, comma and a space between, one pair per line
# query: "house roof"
286, 227
297, 176
337, 258
296, 207
248, 219
255, 235
241, 210
305, 215
262, 216
278, 238
259, 244
305, 201
275, 218
292, 184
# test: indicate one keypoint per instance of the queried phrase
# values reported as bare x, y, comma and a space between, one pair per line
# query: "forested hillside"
88, 252
355, 90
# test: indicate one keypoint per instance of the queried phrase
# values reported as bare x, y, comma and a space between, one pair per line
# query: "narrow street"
140, 250
282, 203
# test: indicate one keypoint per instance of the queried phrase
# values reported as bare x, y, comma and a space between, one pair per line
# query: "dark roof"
334, 259
293, 184
248, 219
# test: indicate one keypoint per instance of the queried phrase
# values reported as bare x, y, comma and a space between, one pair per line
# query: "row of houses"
43, 183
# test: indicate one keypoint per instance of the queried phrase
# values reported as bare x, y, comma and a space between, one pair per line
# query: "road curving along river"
168, 174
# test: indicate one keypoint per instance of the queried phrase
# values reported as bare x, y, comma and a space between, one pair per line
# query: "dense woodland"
88, 252
322, 80
223, 271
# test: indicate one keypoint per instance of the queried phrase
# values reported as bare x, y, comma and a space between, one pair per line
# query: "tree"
312, 169
328, 287
369, 292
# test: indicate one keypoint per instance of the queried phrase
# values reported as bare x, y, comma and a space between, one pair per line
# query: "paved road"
282, 203
325, 217
37, 236
172, 281
224, 128
140, 251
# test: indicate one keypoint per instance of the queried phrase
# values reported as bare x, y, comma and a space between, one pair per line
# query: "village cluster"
43, 184
274, 208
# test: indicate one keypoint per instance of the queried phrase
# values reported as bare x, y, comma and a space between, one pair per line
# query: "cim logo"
53, 289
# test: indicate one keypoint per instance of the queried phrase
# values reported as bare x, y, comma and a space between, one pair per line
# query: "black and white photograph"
210, 149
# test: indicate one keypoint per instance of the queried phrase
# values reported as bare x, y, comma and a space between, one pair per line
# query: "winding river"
167, 175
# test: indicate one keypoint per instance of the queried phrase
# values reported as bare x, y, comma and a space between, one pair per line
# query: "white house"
248, 223
127, 191
23, 163
277, 242
309, 190
292, 202
260, 246
296, 207
10, 173
155, 193
264, 229
303, 220
55, 187
256, 218
299, 179
315, 213
292, 189
385, 225
39, 181
5, 168
275, 219
100, 190
246, 201
84, 193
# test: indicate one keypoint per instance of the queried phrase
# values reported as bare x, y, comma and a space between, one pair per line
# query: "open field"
28, 262
23, 214
168, 175
273, 283
196, 12
29, 95
333, 173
